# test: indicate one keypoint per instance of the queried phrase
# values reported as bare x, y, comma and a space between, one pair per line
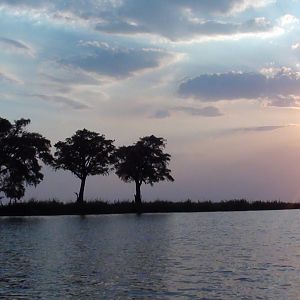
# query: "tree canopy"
85, 153
143, 162
20, 155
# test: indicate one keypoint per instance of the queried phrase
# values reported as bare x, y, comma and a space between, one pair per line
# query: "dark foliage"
143, 162
20, 152
33, 208
85, 153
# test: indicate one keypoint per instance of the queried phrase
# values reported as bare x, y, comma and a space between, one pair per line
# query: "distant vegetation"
86, 153
35, 208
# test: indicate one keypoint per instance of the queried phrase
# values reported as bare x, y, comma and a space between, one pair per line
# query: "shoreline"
55, 208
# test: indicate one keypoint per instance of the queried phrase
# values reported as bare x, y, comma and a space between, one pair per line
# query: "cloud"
186, 29
161, 114
56, 73
253, 129
268, 84
226, 86
257, 128
8, 78
78, 78
208, 111
284, 101
176, 20
23, 3
288, 21
117, 62
62, 100
15, 46
182, 24
92, 8
240, 6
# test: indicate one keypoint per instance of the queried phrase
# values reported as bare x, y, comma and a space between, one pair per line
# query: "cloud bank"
174, 20
103, 59
280, 87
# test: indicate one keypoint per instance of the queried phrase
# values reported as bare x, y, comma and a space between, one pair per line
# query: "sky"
218, 79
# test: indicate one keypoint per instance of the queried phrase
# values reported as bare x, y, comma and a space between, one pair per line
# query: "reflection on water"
233, 255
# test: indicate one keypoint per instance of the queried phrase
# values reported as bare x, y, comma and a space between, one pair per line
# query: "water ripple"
236, 255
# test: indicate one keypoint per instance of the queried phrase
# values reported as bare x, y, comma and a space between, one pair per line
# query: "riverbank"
47, 208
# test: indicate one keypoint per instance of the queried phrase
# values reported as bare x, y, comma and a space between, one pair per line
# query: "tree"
143, 162
85, 153
20, 154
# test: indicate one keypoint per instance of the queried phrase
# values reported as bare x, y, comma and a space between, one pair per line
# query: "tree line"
86, 153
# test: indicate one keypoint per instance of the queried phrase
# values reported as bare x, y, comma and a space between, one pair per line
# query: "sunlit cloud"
177, 20
201, 30
288, 21
240, 6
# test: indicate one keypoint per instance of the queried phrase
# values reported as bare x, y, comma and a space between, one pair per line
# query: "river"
218, 255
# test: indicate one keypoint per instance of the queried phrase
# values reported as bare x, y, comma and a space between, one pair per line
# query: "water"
230, 255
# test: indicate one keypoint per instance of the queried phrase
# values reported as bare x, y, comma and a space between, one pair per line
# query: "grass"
54, 207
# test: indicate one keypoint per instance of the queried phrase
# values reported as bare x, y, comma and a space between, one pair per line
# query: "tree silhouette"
85, 153
143, 162
20, 152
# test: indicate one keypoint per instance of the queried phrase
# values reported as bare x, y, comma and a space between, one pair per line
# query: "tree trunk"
81, 192
137, 196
